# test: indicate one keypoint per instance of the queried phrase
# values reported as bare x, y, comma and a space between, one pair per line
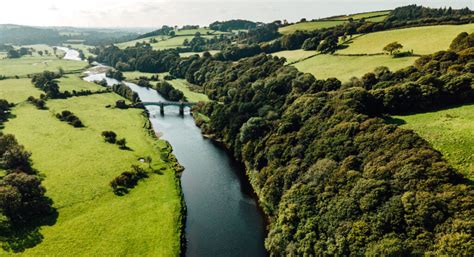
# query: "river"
223, 218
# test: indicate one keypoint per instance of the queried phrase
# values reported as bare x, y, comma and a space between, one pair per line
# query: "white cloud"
148, 13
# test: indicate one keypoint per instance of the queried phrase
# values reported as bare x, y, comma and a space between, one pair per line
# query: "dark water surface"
223, 218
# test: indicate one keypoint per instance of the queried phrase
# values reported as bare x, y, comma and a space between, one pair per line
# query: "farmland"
311, 25
435, 38
450, 131
77, 166
35, 64
332, 22
345, 67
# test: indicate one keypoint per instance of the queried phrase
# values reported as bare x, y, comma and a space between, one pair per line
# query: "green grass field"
36, 64
311, 25
72, 82
422, 40
78, 166
451, 132
359, 16
212, 52
190, 94
17, 90
295, 55
345, 67
173, 42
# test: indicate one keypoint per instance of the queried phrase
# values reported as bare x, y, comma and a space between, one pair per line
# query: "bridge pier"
162, 109
181, 109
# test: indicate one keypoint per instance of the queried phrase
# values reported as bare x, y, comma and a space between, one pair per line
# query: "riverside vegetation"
333, 171
332, 176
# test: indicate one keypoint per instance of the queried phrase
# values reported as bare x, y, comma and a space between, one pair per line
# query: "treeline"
48, 83
163, 31
166, 90
333, 177
137, 58
126, 92
22, 197
22, 35
5, 108
230, 25
415, 12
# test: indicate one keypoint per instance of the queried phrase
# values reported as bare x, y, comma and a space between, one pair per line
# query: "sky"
155, 13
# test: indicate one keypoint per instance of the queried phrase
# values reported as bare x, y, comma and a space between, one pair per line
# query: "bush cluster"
70, 118
127, 180
22, 198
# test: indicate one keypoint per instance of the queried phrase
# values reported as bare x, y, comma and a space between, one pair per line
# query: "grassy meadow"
212, 52
450, 131
346, 67
78, 166
36, 64
72, 82
310, 25
422, 40
17, 90
295, 55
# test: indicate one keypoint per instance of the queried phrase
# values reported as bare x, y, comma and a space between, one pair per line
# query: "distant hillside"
23, 35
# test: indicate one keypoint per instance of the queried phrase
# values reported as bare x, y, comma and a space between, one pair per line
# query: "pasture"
72, 82
450, 131
422, 40
164, 43
78, 165
346, 67
36, 64
310, 25
294, 55
17, 90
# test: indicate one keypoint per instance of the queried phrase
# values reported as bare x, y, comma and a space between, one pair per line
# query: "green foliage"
70, 118
393, 47
22, 197
166, 90
109, 137
127, 180
333, 178
126, 92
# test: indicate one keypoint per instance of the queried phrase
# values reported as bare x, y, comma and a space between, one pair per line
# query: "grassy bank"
450, 131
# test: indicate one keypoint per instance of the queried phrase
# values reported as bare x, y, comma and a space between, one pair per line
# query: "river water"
223, 218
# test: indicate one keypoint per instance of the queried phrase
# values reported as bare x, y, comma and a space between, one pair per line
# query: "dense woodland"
333, 176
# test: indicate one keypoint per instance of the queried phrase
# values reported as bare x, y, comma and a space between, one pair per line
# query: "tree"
109, 136
393, 47
122, 143
148, 160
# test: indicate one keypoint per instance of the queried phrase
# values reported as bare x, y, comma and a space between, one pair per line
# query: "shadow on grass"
24, 236
394, 121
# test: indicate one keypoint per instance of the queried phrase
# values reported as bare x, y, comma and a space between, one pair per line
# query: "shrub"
127, 180
70, 118
122, 143
109, 137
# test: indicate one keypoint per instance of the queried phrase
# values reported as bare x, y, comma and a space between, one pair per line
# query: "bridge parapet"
162, 105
